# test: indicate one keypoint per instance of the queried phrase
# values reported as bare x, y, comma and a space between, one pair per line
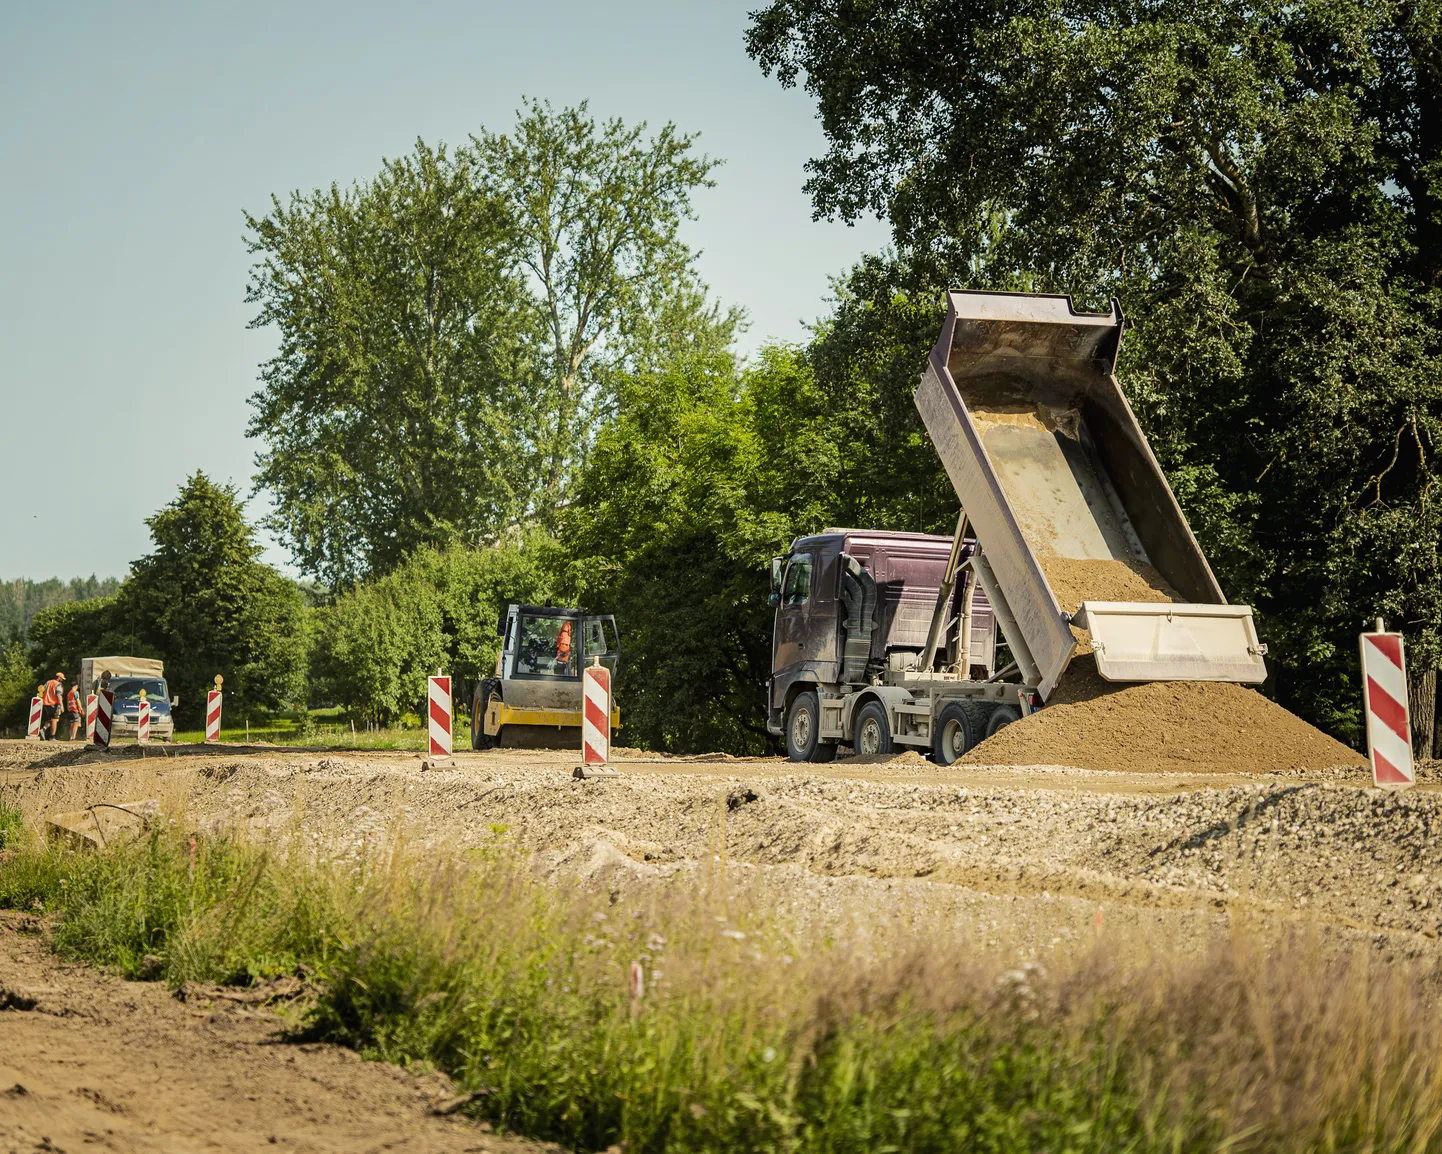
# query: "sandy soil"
1018, 859
90, 1062
1169, 726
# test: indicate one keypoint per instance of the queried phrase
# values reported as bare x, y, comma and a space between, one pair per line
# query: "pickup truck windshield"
128, 688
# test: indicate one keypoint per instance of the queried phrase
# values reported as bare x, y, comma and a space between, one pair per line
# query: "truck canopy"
92, 667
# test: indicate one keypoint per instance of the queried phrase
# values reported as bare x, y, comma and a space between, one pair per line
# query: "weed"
12, 826
750, 1034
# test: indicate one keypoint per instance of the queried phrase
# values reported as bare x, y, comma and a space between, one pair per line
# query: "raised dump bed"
1077, 524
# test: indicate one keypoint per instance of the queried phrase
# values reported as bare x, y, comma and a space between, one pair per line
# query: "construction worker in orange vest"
72, 710
50, 703
563, 645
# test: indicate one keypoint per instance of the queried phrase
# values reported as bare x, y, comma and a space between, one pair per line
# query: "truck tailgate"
1145, 641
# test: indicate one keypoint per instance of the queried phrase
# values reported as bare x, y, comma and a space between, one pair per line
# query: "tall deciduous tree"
205, 603
596, 212
1260, 185
405, 405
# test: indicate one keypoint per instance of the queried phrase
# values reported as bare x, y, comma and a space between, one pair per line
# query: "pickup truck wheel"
959, 726
481, 702
1001, 717
803, 730
873, 731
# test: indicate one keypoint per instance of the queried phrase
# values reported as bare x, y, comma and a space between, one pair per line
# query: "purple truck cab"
821, 640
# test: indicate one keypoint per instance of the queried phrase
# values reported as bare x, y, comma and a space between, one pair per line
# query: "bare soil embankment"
89, 1061
896, 839
1018, 861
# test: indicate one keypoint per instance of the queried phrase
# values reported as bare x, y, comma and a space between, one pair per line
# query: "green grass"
327, 729
12, 826
749, 1036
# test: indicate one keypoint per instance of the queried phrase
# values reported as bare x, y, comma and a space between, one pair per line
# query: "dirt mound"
896, 757
1161, 727
1074, 580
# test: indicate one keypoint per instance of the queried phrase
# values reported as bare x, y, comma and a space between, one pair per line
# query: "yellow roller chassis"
500, 714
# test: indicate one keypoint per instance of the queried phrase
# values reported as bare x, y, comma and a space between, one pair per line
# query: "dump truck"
1069, 541
533, 700
128, 676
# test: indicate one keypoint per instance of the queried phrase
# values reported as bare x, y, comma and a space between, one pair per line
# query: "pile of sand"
1075, 580
1161, 727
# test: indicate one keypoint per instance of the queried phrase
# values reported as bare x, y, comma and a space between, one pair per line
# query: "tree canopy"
1259, 185
403, 406
204, 602
451, 330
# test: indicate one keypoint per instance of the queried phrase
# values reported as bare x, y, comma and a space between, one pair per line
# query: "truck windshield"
797, 586
549, 647
128, 688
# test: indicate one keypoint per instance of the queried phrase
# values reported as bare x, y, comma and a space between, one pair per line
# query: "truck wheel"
873, 731
1001, 717
959, 726
803, 730
480, 739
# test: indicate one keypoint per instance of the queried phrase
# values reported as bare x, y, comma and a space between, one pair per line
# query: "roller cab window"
549, 646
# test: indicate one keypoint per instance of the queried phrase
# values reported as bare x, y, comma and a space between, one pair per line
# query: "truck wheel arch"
889, 696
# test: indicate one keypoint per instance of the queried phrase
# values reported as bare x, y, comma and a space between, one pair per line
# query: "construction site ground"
1022, 859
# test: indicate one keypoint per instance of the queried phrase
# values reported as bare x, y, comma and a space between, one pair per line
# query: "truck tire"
959, 726
871, 735
480, 739
803, 730
1001, 717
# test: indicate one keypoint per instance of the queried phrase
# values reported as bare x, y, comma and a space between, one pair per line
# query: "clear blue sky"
131, 141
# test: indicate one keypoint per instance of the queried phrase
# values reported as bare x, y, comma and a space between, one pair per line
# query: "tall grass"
753, 1034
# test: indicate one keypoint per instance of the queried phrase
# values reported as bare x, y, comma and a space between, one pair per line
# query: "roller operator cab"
533, 699
853, 655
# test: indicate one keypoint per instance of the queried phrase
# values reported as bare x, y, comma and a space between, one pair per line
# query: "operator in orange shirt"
50, 702
72, 710
563, 645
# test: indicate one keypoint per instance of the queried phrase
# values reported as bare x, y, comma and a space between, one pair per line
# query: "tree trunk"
1422, 705
1436, 729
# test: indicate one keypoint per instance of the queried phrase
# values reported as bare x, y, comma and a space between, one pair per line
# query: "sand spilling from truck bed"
1161, 727
1075, 580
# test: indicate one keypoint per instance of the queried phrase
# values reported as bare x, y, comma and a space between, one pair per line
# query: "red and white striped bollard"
36, 707
89, 718
596, 715
104, 714
212, 712
142, 719
1384, 698
438, 691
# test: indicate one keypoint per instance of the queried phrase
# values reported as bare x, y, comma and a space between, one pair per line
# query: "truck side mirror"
774, 598
501, 624
776, 564
174, 701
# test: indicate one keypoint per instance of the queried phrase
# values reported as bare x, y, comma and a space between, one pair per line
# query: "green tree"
377, 643
404, 405
18, 679
206, 604
706, 473
63, 634
595, 213
450, 332
22, 598
1259, 186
